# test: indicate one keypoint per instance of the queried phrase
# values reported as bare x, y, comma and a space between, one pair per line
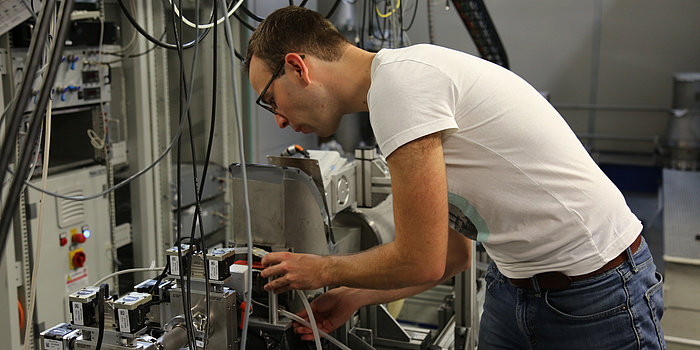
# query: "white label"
78, 314
214, 269
124, 325
77, 279
174, 265
50, 344
199, 343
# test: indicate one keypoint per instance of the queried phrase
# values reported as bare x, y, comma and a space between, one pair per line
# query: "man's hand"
331, 310
293, 272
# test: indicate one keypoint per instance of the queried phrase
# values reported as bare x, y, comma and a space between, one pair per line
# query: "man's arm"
458, 260
417, 256
335, 307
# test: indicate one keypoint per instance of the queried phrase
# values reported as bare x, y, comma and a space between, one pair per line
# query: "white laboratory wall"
266, 138
552, 44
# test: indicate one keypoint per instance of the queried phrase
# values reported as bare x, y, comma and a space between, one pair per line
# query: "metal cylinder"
273, 313
682, 146
686, 90
174, 339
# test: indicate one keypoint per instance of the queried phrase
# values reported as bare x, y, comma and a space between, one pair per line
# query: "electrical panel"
75, 244
80, 80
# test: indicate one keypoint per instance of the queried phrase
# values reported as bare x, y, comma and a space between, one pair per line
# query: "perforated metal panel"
682, 216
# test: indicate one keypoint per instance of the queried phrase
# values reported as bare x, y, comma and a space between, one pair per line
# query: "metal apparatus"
153, 317
683, 129
200, 300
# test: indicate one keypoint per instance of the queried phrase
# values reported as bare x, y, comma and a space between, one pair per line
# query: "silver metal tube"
273, 313
175, 339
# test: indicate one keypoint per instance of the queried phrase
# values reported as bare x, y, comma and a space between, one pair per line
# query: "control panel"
80, 80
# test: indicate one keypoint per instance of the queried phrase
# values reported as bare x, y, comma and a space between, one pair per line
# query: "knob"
78, 238
79, 259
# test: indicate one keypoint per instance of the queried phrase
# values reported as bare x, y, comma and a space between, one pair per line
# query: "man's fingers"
309, 337
303, 330
271, 271
278, 285
273, 258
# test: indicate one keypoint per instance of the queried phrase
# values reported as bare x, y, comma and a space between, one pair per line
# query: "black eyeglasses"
262, 103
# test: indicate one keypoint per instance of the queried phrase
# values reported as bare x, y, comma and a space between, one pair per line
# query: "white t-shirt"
519, 180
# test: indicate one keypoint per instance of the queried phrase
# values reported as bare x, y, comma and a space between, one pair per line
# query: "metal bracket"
3, 61
360, 338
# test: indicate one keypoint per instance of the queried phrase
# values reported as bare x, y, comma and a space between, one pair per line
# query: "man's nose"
282, 122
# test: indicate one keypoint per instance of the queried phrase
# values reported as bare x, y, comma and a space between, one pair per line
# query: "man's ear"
298, 67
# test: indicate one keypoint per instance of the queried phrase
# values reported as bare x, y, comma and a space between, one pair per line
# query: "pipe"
175, 339
273, 314
175, 336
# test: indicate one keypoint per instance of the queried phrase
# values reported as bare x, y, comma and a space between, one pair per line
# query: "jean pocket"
586, 305
493, 278
655, 300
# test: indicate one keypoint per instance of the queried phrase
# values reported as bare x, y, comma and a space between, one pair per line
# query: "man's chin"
320, 133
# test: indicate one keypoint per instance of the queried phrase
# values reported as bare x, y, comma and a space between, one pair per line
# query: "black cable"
362, 27
379, 20
198, 196
184, 113
303, 3
181, 263
243, 22
36, 122
33, 61
251, 15
162, 36
370, 29
130, 56
413, 18
125, 182
101, 296
400, 26
163, 44
207, 158
335, 6
150, 38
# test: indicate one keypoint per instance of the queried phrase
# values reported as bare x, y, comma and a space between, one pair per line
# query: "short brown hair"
294, 29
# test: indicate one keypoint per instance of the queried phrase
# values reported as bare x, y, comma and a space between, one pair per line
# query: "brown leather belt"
559, 281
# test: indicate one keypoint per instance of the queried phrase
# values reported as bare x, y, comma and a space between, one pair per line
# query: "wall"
552, 44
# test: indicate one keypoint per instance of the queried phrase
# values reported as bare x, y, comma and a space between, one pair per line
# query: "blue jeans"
617, 309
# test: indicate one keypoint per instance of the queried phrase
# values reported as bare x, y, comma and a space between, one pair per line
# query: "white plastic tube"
208, 25
322, 333
312, 320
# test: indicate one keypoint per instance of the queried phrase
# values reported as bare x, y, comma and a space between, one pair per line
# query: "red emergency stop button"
78, 238
79, 259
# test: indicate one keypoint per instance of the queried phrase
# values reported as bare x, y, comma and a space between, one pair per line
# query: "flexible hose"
312, 319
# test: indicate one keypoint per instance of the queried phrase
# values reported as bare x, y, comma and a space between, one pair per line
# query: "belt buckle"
553, 280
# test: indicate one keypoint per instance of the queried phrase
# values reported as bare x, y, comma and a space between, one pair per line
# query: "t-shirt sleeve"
409, 100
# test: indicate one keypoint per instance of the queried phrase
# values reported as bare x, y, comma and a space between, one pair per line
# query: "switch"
78, 238
63, 238
77, 258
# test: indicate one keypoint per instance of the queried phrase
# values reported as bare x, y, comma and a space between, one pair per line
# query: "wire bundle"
220, 14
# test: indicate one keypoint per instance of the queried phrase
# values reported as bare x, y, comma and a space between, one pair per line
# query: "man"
470, 147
